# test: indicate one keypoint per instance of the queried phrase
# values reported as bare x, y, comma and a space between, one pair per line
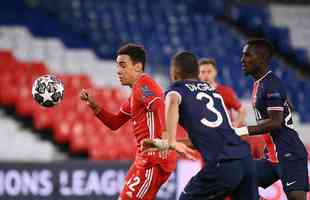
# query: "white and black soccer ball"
47, 90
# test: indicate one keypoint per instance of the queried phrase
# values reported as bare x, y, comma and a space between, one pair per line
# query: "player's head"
130, 63
207, 70
256, 55
184, 65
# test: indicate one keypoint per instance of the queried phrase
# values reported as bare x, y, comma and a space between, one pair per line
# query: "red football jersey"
229, 96
139, 107
147, 96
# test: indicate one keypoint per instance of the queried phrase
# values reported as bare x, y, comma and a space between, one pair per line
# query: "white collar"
261, 78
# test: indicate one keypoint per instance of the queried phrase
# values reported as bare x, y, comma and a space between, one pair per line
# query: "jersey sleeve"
111, 120
125, 108
148, 92
175, 90
275, 97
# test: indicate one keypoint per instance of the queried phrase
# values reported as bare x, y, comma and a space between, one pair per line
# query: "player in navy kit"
273, 115
200, 110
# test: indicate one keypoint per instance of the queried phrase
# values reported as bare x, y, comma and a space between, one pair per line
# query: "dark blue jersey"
269, 94
204, 116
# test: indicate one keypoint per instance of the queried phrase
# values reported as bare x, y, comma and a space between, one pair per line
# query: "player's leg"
129, 176
142, 183
294, 177
247, 188
266, 173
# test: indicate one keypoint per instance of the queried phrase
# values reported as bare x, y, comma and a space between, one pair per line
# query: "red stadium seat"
71, 121
77, 140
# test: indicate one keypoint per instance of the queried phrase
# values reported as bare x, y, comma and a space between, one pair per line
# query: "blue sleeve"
176, 90
275, 97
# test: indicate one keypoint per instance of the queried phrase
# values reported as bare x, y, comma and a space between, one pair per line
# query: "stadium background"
64, 152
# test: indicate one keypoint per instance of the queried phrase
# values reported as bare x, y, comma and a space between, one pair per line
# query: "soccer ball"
47, 90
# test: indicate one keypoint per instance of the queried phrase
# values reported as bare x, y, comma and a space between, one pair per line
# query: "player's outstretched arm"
241, 117
273, 122
113, 121
149, 145
172, 118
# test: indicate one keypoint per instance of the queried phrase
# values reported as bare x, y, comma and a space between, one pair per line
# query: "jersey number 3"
210, 106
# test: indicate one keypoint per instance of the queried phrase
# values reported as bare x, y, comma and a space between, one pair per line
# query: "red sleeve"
232, 99
115, 121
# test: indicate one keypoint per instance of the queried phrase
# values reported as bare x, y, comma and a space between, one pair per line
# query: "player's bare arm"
273, 122
168, 140
241, 117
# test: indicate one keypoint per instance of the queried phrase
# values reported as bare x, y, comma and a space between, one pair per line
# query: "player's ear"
138, 67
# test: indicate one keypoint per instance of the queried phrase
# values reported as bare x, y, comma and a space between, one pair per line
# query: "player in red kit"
145, 109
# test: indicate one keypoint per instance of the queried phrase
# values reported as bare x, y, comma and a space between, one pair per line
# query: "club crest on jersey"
146, 91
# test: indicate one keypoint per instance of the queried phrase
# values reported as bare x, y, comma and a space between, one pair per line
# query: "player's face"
127, 70
207, 73
249, 60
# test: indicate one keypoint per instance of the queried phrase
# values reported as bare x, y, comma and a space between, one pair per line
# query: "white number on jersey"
133, 182
210, 106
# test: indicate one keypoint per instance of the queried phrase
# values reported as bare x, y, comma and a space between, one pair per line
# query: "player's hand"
147, 145
184, 150
85, 96
151, 145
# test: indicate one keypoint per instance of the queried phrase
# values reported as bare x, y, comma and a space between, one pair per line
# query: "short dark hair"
208, 61
263, 47
135, 52
187, 64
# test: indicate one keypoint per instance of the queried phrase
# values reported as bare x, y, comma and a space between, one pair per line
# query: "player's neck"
260, 74
137, 77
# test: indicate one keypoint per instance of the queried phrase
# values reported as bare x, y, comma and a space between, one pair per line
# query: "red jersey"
145, 123
145, 107
229, 96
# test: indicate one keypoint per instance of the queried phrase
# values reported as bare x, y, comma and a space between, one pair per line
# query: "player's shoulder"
146, 79
270, 77
180, 85
224, 88
148, 85
272, 81
177, 84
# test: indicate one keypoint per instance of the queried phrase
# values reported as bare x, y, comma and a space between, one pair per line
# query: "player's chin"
245, 71
124, 83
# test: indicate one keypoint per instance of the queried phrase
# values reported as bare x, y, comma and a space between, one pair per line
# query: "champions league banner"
92, 181
69, 180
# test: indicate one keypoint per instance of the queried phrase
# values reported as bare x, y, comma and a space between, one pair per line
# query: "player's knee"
296, 195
